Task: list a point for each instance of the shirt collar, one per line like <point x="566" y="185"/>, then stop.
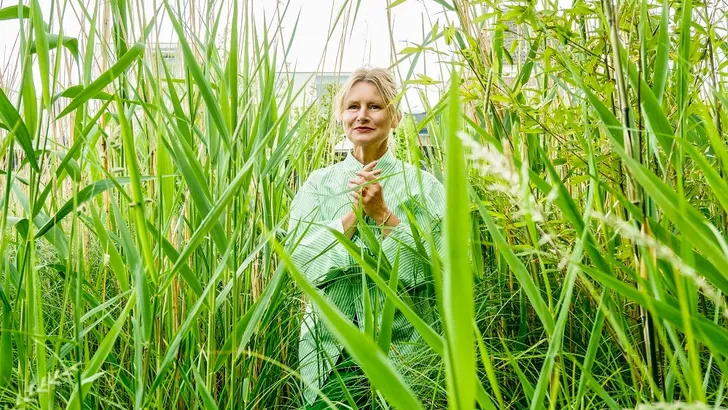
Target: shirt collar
<point x="386" y="163"/>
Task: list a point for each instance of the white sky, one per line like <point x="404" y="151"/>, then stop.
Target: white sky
<point x="368" y="44"/>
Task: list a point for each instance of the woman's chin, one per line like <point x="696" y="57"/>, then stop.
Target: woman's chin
<point x="366" y="141"/>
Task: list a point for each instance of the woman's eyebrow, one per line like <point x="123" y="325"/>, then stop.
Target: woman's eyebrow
<point x="378" y="102"/>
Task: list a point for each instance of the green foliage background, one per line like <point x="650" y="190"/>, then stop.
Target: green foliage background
<point x="583" y="150"/>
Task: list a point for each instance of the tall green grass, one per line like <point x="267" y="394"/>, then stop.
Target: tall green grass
<point x="583" y="150"/>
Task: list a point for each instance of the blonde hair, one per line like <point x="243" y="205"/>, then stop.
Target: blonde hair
<point x="381" y="78"/>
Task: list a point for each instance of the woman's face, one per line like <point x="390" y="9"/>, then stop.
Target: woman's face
<point x="366" y="119"/>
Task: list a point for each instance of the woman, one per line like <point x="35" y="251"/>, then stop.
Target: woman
<point x="369" y="182"/>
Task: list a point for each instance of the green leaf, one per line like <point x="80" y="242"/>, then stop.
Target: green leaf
<point x="488" y="366"/>
<point x="10" y="116"/>
<point x="12" y="12"/>
<point x="707" y="332"/>
<point x="663" y="53"/>
<point x="385" y="334"/>
<point x="6" y="348"/>
<point x="71" y="43"/>
<point x="68" y="163"/>
<point x="30" y="100"/>
<point x="115" y="259"/>
<point x="432" y="338"/>
<point x="190" y="319"/>
<point x="445" y="4"/>
<point x="74" y="90"/>
<point x="657" y="122"/>
<point x="144" y="310"/>
<point x="88" y="59"/>
<point x="41" y="45"/>
<point x="245" y="328"/>
<point x="55" y="236"/>
<point x="717" y="183"/>
<point x="232" y="71"/>
<point x="410" y="50"/>
<point x="544" y="377"/>
<point x="692" y="224"/>
<point x="202" y="390"/>
<point x="716" y="141"/>
<point x="84" y="195"/>
<point x="94" y="89"/>
<point x="211" y="101"/>
<point x="612" y="124"/>
<point x="211" y="219"/>
<point x="592" y="346"/>
<point x="457" y="288"/>
<point x="423" y="80"/>
<point x="524" y="278"/>
<point x="102" y="352"/>
<point x="522" y="378"/>
<point x="683" y="61"/>
<point x="138" y="211"/>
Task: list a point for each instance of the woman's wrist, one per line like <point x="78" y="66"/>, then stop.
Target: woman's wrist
<point x="386" y="218"/>
<point x="388" y="223"/>
<point x="382" y="217"/>
<point x="348" y="222"/>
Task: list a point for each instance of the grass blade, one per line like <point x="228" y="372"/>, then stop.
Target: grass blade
<point x="207" y="398"/>
<point x="94" y="90"/>
<point x="83" y="196"/>
<point x="517" y="267"/>
<point x="10" y="116"/>
<point x="54" y="41"/>
<point x="212" y="103"/>
<point x="41" y="45"/>
<point x="663" y="53"/>
<point x="457" y="288"/>
<point x="105" y="348"/>
<point x="13" y="12"/>
<point x="6" y="348"/>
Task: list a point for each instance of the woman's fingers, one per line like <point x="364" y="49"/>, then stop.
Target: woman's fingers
<point x="356" y="184"/>
<point x="354" y="196"/>
<point x="363" y="171"/>
<point x="368" y="167"/>
<point x="369" y="193"/>
<point x="369" y="176"/>
<point x="364" y="186"/>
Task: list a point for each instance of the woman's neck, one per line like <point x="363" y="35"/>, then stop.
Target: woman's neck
<point x="368" y="154"/>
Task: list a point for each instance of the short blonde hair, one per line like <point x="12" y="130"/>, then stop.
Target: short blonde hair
<point x="381" y="78"/>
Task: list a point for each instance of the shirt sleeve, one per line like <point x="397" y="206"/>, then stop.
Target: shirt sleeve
<point x="428" y="211"/>
<point x="314" y="248"/>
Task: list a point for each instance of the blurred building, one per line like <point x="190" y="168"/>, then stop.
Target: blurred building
<point x="313" y="84"/>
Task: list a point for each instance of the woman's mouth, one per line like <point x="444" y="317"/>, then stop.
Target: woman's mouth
<point x="363" y="129"/>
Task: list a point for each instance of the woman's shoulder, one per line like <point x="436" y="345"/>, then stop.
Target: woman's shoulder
<point x="320" y="177"/>
<point x="413" y="172"/>
<point x="323" y="172"/>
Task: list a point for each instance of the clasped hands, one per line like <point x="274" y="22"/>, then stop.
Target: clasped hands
<point x="367" y="194"/>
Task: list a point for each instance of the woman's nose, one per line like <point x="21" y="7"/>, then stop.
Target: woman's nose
<point x="361" y="115"/>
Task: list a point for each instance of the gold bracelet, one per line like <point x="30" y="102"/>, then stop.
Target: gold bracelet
<point x="386" y="219"/>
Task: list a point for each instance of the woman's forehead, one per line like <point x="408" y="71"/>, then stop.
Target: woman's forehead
<point x="364" y="90"/>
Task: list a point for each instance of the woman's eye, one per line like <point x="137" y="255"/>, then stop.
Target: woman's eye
<point x="353" y="107"/>
<point x="376" y="107"/>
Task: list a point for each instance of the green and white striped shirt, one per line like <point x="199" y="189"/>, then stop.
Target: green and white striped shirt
<point x="318" y="207"/>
